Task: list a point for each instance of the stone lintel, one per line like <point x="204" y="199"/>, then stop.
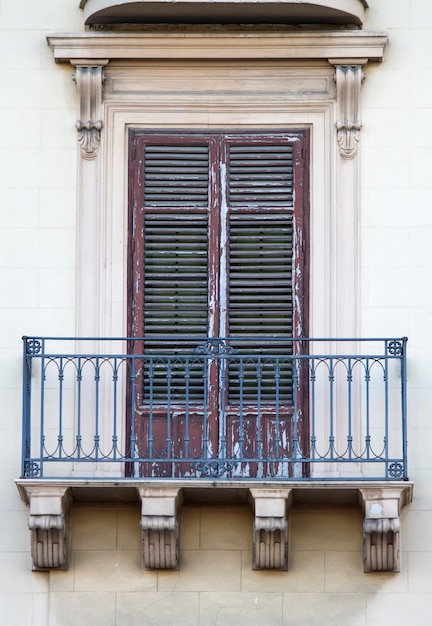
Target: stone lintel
<point x="270" y="529"/>
<point x="355" y="45"/>
<point x="381" y="526"/>
<point x="160" y="528"/>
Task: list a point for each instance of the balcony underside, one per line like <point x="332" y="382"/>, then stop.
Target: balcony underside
<point x="292" y="12"/>
<point x="213" y="492"/>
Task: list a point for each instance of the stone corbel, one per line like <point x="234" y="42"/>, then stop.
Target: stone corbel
<point x="89" y="79"/>
<point x="49" y="527"/>
<point x="270" y="529"/>
<point x="348" y="80"/>
<point x="160" y="528"/>
<point x="381" y="527"/>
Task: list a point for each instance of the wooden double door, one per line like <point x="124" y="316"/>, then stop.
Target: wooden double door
<point x="217" y="294"/>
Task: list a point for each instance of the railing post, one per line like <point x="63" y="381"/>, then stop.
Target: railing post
<point x="404" y="407"/>
<point x="30" y="469"/>
<point x="26" y="403"/>
<point x="296" y="452"/>
<point x="133" y="438"/>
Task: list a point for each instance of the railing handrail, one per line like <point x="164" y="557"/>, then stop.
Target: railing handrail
<point x="388" y="342"/>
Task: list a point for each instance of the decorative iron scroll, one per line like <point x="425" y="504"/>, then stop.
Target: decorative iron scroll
<point x="214" y="469"/>
<point x="396" y="470"/>
<point x="216" y="347"/>
<point x="31" y="469"/>
<point x="395" y="348"/>
<point x="33" y="346"/>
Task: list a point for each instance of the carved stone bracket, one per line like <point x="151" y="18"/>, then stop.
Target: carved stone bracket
<point x="160" y="530"/>
<point x="381" y="528"/>
<point x="270" y="530"/>
<point x="49" y="527"/>
<point x="348" y="80"/>
<point x="89" y="80"/>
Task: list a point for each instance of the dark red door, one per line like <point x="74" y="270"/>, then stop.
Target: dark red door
<point x="217" y="284"/>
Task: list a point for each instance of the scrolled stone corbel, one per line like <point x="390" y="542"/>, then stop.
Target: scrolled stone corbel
<point x="160" y="528"/>
<point x="49" y="528"/>
<point x="381" y="552"/>
<point x="270" y="543"/>
<point x="348" y="80"/>
<point x="381" y="527"/>
<point x="89" y="80"/>
<point x="270" y="529"/>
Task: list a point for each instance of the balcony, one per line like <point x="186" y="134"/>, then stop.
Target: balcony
<point x="223" y="408"/>
<point x="272" y="420"/>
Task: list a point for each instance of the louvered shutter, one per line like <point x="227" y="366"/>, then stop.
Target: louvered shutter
<point x="260" y="177"/>
<point x="260" y="293"/>
<point x="176" y="178"/>
<point x="260" y="277"/>
<point x="175" y="276"/>
<point x="175" y="261"/>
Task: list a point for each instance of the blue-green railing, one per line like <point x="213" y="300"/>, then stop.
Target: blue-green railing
<point x="261" y="408"/>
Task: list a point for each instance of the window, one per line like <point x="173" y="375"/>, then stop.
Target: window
<point x="218" y="276"/>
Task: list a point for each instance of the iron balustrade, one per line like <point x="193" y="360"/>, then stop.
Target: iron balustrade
<point x="251" y="407"/>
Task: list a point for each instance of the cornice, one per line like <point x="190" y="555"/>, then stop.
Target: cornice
<point x="341" y="12"/>
<point x="354" y="47"/>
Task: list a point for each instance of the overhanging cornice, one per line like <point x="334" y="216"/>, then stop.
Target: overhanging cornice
<point x="338" y="46"/>
<point x="336" y="12"/>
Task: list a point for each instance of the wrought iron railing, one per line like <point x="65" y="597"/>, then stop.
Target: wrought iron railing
<point x="267" y="409"/>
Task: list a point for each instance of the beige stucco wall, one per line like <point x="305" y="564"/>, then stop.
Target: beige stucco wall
<point x="215" y="584"/>
<point x="106" y="584"/>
